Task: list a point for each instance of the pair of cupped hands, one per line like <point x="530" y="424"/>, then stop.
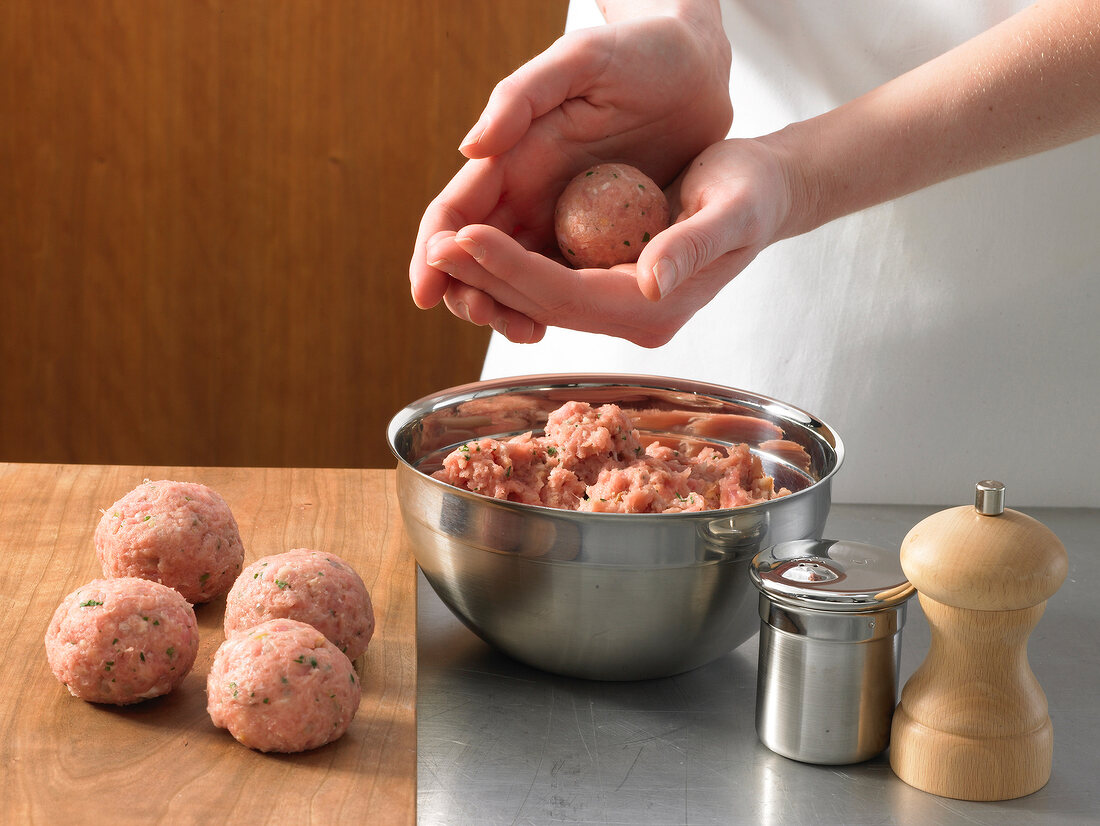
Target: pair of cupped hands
<point x="652" y="93"/>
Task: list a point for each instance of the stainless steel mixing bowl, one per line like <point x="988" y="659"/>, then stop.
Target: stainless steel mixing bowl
<point x="603" y="595"/>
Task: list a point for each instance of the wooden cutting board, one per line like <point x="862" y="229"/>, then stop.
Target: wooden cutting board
<point x="163" y="761"/>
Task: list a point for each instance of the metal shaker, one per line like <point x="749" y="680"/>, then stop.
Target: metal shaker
<point x="830" y="641"/>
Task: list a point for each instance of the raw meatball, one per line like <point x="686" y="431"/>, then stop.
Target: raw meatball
<point x="607" y="214"/>
<point x="122" y="640"/>
<point x="181" y="534"/>
<point x="311" y="586"/>
<point x="282" y="686"/>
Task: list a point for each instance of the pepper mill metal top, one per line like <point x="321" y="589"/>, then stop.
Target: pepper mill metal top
<point x="989" y="498"/>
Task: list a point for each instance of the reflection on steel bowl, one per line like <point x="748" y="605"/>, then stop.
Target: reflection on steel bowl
<point x="606" y="595"/>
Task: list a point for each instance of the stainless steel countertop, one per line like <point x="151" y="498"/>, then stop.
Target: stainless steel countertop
<point x="501" y="743"/>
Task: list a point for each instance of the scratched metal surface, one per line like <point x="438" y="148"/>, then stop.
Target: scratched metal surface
<point x="500" y="743"/>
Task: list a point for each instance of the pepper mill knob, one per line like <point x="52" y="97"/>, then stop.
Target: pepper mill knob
<point x="972" y="723"/>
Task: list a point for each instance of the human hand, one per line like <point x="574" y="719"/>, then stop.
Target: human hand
<point x="651" y="92"/>
<point x="731" y="202"/>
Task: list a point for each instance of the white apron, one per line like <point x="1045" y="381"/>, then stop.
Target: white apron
<point x="949" y="336"/>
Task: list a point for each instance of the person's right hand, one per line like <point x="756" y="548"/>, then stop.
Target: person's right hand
<point x="651" y="92"/>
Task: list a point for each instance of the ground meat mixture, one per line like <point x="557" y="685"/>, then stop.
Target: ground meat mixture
<point x="593" y="459"/>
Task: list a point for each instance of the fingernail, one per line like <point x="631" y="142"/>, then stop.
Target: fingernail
<point x="441" y="264"/>
<point x="664" y="271"/>
<point x="462" y="311"/>
<point x="472" y="247"/>
<point x="473" y="136"/>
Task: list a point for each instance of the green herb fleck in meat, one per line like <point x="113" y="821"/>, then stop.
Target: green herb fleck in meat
<point x="91" y="603"/>
<point x="171" y="651"/>
<point x="645" y="237"/>
<point x="282" y="585"/>
<point x="204" y="577"/>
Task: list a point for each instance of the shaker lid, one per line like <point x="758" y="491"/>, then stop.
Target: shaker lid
<point x="831" y="575"/>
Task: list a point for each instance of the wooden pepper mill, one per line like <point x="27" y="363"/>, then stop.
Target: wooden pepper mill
<point x="972" y="723"/>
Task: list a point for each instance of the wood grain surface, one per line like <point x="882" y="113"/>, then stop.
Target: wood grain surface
<point x="163" y="761"/>
<point x="207" y="211"/>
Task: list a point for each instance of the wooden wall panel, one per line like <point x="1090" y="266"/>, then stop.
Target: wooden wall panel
<point x="206" y="214"/>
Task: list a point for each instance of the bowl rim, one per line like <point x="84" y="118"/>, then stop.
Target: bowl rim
<point x="489" y="387"/>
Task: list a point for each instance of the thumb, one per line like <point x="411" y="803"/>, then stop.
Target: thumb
<point x="505" y="119"/>
<point x="532" y="90"/>
<point x="564" y="71"/>
<point x="685" y="248"/>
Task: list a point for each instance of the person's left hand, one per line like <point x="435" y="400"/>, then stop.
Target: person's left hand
<point x="731" y="202"/>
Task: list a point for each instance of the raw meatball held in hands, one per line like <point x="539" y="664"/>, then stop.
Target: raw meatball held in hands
<point x="730" y="204"/>
<point x="649" y="89"/>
